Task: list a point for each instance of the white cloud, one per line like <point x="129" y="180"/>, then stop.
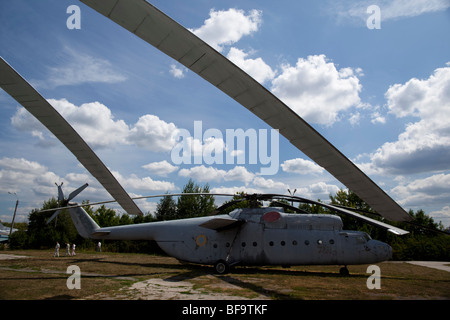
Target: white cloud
<point x="16" y="174"/>
<point x="270" y="184"/>
<point x="301" y="166"/>
<point x="316" y="90"/>
<point x="161" y="168"/>
<point x="354" y="118"/>
<point x="322" y="190"/>
<point x="411" y="8"/>
<point x="390" y="10"/>
<point x="95" y="123"/>
<point x="133" y="182"/>
<point x="177" y="72"/>
<point x="24" y="121"/>
<point x="424" y="146"/>
<point x="377" y="118"/>
<point x="239" y="173"/>
<point x="34" y="184"/>
<point x="228" y="27"/>
<point x="152" y="133"/>
<point x="256" y="68"/>
<point x="143" y="184"/>
<point x="235" y="190"/>
<point x="430" y="190"/>
<point x="202" y="173"/>
<point x="78" y="68"/>
<point x="442" y="215"/>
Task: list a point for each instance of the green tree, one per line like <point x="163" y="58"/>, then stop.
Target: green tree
<point x="40" y="234"/>
<point x="105" y="217"/>
<point x="313" y="208"/>
<point x="125" y="219"/>
<point x="351" y="200"/>
<point x="190" y="206"/>
<point x="423" y="224"/>
<point x="166" y="209"/>
<point x="240" y="204"/>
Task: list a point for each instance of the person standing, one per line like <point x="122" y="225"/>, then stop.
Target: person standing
<point x="56" y="254"/>
<point x="73" y="250"/>
<point x="99" y="247"/>
<point x="67" y="250"/>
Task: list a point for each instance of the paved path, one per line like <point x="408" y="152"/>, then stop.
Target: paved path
<point x="433" y="264"/>
<point x="4" y="256"/>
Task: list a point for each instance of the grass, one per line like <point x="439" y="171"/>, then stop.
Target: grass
<point x="41" y="276"/>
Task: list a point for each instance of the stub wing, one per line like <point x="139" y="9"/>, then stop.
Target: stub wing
<point x="220" y="224"/>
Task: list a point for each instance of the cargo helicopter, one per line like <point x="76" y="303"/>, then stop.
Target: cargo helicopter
<point x="229" y="239"/>
<point x="253" y="236"/>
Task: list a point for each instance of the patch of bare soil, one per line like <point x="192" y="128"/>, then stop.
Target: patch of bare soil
<point x="167" y="289"/>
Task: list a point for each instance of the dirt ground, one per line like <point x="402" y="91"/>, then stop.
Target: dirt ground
<point x="37" y="275"/>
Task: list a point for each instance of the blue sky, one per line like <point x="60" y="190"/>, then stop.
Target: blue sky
<point x="381" y="96"/>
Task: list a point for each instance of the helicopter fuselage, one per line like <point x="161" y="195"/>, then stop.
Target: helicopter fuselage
<point x="255" y="236"/>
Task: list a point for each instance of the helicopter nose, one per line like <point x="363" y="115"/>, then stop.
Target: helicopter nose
<point x="383" y="250"/>
<point x="388" y="251"/>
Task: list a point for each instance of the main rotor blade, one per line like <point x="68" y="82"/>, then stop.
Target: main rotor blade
<point x="144" y="197"/>
<point x="156" y="28"/>
<point x="352" y="214"/>
<point x="30" y="99"/>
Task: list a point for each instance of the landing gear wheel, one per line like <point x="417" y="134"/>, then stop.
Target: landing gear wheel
<point x="344" y="271"/>
<point x="221" y="267"/>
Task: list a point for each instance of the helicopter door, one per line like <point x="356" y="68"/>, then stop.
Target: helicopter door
<point x="247" y="247"/>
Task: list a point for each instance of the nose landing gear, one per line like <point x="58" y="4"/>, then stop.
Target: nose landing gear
<point x="344" y="271"/>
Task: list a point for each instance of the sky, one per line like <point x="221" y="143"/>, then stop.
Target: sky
<point x="372" y="77"/>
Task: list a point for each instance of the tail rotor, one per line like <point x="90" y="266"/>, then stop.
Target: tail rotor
<point x="62" y="202"/>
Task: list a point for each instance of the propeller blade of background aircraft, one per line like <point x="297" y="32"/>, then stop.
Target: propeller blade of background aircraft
<point x="60" y="193"/>
<point x="30" y="99"/>
<point x="53" y="215"/>
<point x="73" y="194"/>
<point x="156" y="28"/>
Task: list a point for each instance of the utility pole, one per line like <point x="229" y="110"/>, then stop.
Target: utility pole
<point x="14" y="216"/>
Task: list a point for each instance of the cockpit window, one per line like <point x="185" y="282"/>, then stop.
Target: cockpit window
<point x="360" y="239"/>
<point x="235" y="213"/>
